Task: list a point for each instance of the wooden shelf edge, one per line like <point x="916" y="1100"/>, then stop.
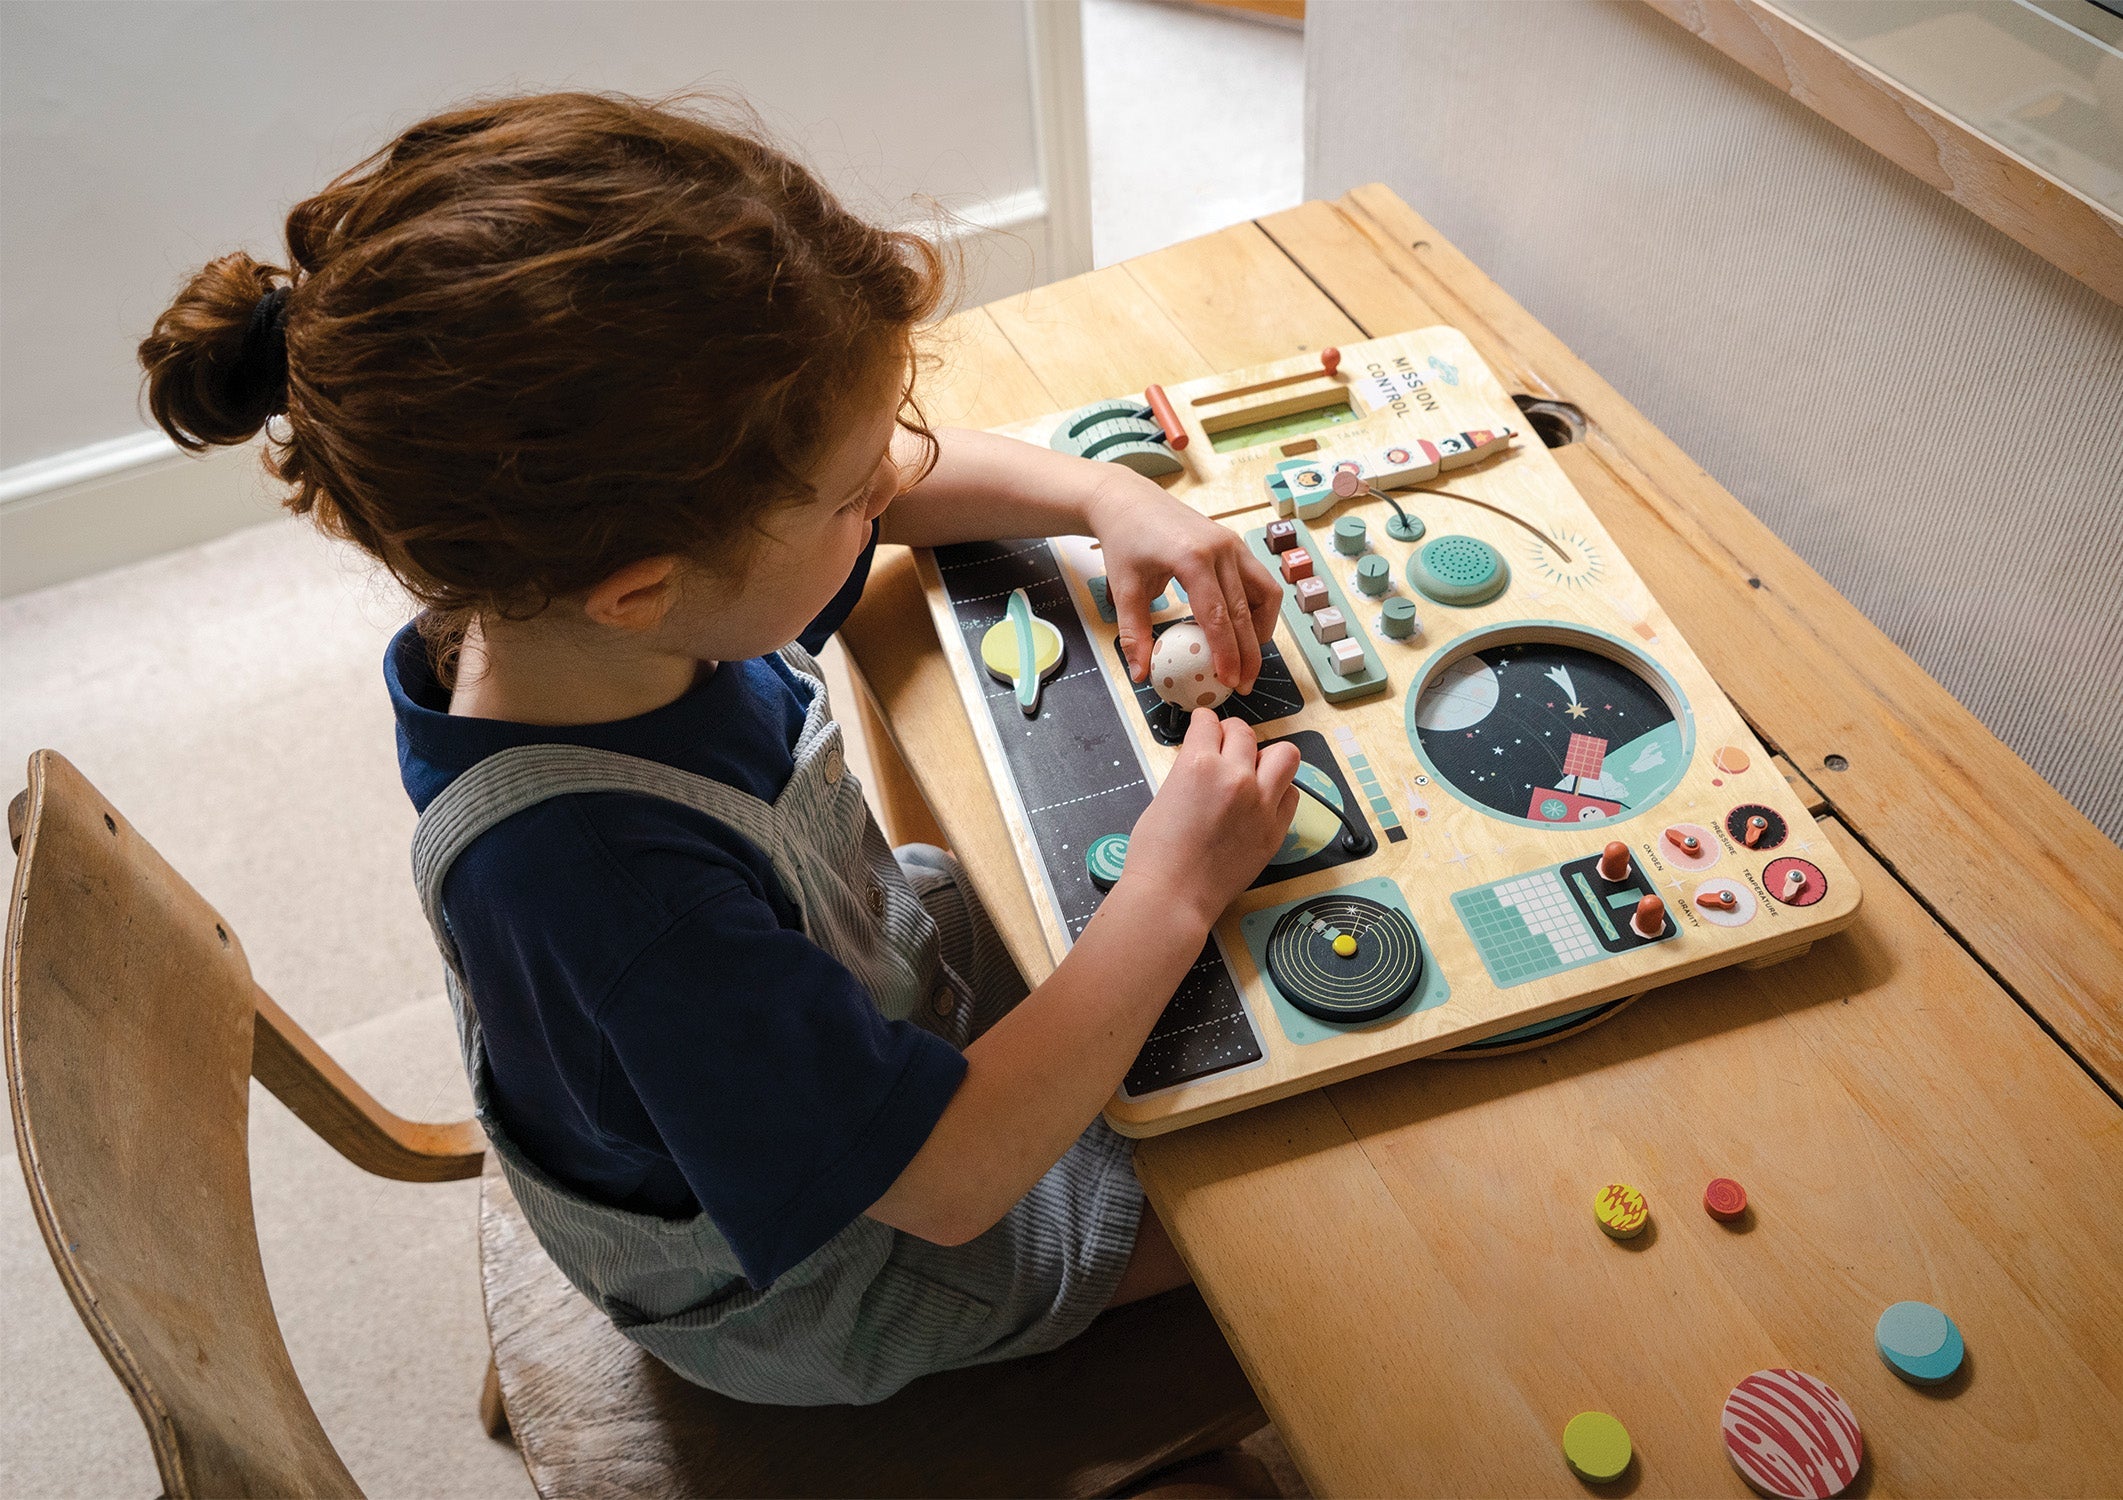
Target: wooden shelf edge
<point x="2018" y="199"/>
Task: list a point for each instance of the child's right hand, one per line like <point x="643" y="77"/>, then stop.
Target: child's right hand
<point x="1222" y="811"/>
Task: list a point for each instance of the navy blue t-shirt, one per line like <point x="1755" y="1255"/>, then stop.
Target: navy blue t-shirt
<point x="660" y="1034"/>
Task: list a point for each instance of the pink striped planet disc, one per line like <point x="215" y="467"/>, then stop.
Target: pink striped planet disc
<point x="1792" y="1436"/>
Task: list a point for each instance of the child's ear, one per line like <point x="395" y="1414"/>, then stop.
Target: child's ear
<point x="637" y="597"/>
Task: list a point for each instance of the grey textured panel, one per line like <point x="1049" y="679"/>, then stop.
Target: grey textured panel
<point x="1929" y="414"/>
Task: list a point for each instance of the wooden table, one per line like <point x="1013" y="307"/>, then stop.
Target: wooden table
<point x="1924" y="1107"/>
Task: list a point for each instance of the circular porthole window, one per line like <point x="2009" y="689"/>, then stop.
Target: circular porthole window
<point x="1552" y="726"/>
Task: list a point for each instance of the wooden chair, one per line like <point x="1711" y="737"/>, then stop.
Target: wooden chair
<point x="132" y="1029"/>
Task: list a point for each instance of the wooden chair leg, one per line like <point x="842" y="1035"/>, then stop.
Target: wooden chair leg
<point x="492" y="1416"/>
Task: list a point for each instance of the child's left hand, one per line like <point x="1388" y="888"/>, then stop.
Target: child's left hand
<point x="1150" y="538"/>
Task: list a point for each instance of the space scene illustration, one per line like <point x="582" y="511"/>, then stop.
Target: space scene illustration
<point x="1547" y="733"/>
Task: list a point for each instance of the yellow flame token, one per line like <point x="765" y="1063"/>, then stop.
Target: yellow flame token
<point x="1621" y="1210"/>
<point x="1596" y="1446"/>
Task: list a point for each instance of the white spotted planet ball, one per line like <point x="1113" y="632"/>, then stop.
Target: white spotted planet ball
<point x="1180" y="668"/>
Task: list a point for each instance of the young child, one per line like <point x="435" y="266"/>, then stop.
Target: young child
<point x="624" y="399"/>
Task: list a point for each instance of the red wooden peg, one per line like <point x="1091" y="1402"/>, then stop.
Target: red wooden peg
<point x="1167" y="418"/>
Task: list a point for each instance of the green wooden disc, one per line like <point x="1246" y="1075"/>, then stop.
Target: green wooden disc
<point x="1596" y="1446"/>
<point x="1105" y="858"/>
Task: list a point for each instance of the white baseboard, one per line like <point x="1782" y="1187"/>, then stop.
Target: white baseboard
<point x="137" y="496"/>
<point x="118" y="502"/>
<point x="1004" y="245"/>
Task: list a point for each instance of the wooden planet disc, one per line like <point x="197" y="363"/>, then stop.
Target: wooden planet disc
<point x="1621" y="1210"/>
<point x="1725" y="1200"/>
<point x="1596" y="1446"/>
<point x="1790" y="1435"/>
<point x="1105" y="859"/>
<point x="1022" y="650"/>
<point x="1919" y="1343"/>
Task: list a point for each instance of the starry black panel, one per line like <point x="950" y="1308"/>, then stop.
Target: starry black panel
<point x="1077" y="777"/>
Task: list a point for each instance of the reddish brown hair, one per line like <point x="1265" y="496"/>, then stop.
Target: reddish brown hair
<point x="533" y="340"/>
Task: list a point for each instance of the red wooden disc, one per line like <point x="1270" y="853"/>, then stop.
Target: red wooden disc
<point x="1790" y="1435"/>
<point x="1724" y="1200"/>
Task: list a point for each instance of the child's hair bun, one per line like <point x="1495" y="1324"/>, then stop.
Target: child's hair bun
<point x="217" y="358"/>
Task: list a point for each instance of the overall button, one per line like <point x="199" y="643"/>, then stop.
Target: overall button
<point x="835" y="766"/>
<point x="943" y="1002"/>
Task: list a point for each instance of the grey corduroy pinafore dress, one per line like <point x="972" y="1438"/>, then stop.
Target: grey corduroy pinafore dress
<point x="873" y="1308"/>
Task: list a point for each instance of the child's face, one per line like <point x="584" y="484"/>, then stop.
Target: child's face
<point x="808" y="549"/>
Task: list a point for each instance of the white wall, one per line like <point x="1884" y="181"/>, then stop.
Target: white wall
<point x="139" y="139"/>
<point x="1925" y="411"/>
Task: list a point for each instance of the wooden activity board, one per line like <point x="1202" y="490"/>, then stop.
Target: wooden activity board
<point x="1515" y="704"/>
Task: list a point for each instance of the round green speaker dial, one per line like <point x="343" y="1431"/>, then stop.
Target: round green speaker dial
<point x="1459" y="570"/>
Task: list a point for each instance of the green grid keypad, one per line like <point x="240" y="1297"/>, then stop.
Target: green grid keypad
<point x="1526" y="928"/>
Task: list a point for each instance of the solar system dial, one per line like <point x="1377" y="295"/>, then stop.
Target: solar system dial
<point x="1548" y="733"/>
<point x="1347" y="959"/>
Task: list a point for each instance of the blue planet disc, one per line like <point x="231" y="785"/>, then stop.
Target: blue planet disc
<point x="1104" y="860"/>
<point x="1919" y="1342"/>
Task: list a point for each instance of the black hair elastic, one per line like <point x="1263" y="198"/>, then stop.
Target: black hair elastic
<point x="260" y="376"/>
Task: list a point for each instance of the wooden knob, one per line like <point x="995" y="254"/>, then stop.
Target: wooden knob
<point x="1794" y="882"/>
<point x="1614" y="862"/>
<point x="1756" y="827"/>
<point x="1330" y="359"/>
<point x="1650" y="918"/>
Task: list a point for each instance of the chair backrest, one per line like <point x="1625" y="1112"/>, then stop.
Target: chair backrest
<point x="129" y="1011"/>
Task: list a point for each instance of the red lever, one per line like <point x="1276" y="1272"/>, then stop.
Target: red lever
<point x="1330" y="359"/>
<point x="1167" y="418"/>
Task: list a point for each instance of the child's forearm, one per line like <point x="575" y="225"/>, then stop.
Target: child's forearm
<point x="985" y="486"/>
<point x="1043" y="1072"/>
